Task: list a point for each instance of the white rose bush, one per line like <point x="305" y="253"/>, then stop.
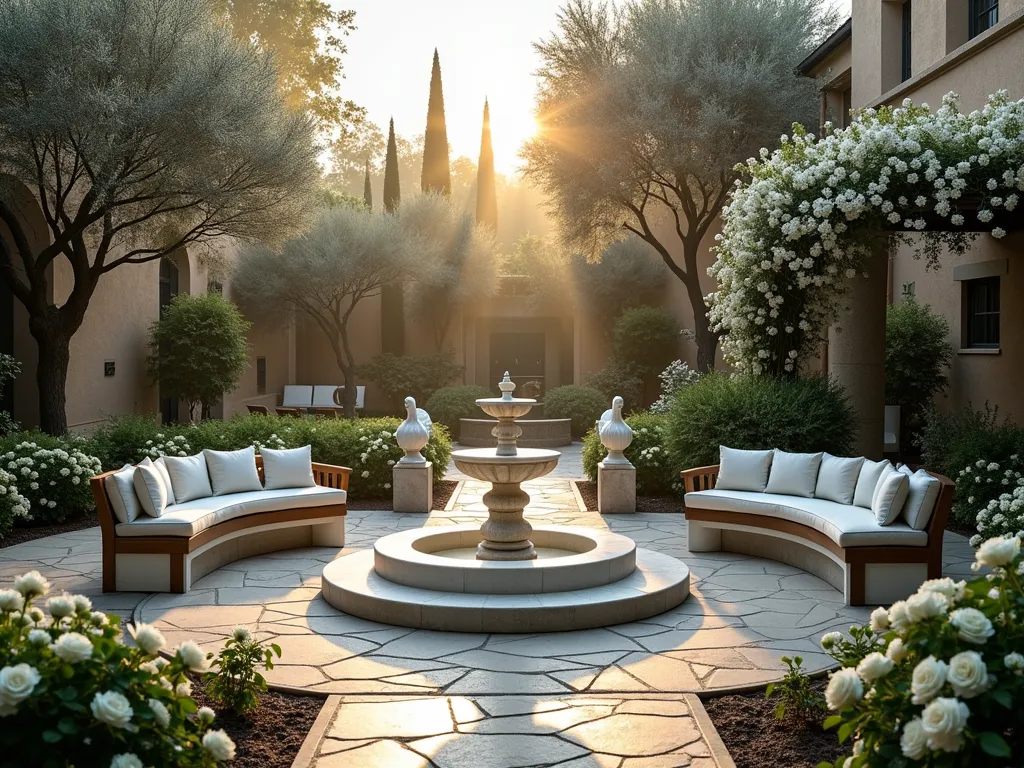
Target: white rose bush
<point x="1000" y="491"/>
<point x="937" y="680"/>
<point x="71" y="693"/>
<point x="802" y="223"/>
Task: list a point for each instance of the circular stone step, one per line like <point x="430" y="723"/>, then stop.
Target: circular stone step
<point x="658" y="584"/>
<point x="593" y="557"/>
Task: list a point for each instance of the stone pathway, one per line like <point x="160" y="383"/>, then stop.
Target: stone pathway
<point x="477" y="700"/>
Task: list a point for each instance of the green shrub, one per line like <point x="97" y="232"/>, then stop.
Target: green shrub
<point x="622" y="380"/>
<point x="954" y="440"/>
<point x="399" y="377"/>
<point x="233" y="680"/>
<point x="917" y="354"/>
<point x="449" y="404"/>
<point x="198" y="349"/>
<point x="646" y="337"/>
<point x="655" y="474"/>
<point x="584" y="405"/>
<point x="9" y="368"/>
<point x="333" y="441"/>
<point x="757" y="412"/>
<point x="51" y="472"/>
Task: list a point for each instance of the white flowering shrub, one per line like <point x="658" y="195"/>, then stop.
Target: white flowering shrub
<point x="937" y="679"/>
<point x="979" y="483"/>
<point x="13" y="506"/>
<point x="656" y="475"/>
<point x="809" y="213"/>
<point x="163" y="445"/>
<point x="676" y="376"/>
<point x="71" y="693"/>
<point x="1003" y="515"/>
<point x="55" y="480"/>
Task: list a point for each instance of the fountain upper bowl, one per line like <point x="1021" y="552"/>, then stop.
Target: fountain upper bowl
<point x="485" y="464"/>
<point x="511" y="408"/>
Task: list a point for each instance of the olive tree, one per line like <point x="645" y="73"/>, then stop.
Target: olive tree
<point x="644" y="111"/>
<point x="198" y="350"/>
<point x="321" y="276"/>
<point x="138" y="127"/>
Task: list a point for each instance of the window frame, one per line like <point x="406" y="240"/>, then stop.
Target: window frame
<point x="261" y="375"/>
<point x="984" y="14"/>
<point x="973" y="315"/>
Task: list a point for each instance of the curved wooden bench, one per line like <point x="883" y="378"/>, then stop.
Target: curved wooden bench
<point x="720" y="530"/>
<point x="172" y="563"/>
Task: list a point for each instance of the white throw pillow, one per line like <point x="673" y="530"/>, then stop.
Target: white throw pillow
<point x="149" y="485"/>
<point x="837" y="478"/>
<point x="121" y="492"/>
<point x="233" y="471"/>
<point x="291" y="468"/>
<point x="921" y="498"/>
<point x="740" y="470"/>
<point x="794" y="474"/>
<point x="189" y="477"/>
<point x="890" y="496"/>
<point x="867" y="480"/>
<point x="165" y="476"/>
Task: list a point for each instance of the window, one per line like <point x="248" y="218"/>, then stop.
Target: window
<point x="984" y="15"/>
<point x="261" y="375"/>
<point x="981" y="300"/>
<point x="905" y="30"/>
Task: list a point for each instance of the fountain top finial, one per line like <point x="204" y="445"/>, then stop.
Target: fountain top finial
<point x="507" y="386"/>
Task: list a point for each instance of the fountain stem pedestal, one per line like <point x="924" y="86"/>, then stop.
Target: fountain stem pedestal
<point x="506" y="532"/>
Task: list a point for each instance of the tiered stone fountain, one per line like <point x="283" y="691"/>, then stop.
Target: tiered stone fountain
<point x="505" y="575"/>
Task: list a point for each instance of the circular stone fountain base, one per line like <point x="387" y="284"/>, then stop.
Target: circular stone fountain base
<point x="654" y="585"/>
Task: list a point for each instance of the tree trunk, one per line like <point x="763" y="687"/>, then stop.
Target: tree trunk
<point x="54" y="343"/>
<point x="348" y="395"/>
<point x="707" y="340"/>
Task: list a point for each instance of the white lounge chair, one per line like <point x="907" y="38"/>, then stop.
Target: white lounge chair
<point x="297" y="396"/>
<point x="324" y="396"/>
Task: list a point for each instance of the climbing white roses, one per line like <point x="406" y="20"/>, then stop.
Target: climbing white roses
<point x="938" y="679"/>
<point x="806" y="216"/>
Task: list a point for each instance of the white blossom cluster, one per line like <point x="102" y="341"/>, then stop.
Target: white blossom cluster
<point x="378" y="454"/>
<point x="993" y="493"/>
<point x="937" y="664"/>
<point x="273" y="442"/>
<point x="802" y="225"/>
<point x="166" y="446"/>
<point x="12" y="504"/>
<point x="1003" y="516"/>
<point x="676" y="376"/>
<point x="48" y="477"/>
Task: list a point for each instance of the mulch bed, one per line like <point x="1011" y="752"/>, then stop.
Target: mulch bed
<point x="588" y="492"/>
<point x="271" y="735"/>
<point x="756" y="738"/>
<point x="443" y="491"/>
<point x="20" y="535"/>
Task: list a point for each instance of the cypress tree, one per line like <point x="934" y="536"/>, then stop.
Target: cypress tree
<point x="486" y="195"/>
<point x="392" y="188"/>
<point x="367" y="190"/>
<point x="436" y="175"/>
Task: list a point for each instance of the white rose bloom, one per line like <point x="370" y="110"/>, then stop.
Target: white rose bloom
<point x="10" y="600"/>
<point x="82" y="603"/>
<point x="32" y="584"/>
<point x="898" y="616"/>
<point x="60" y="606"/>
<point x="879" y="620"/>
<point x="943" y="722"/>
<point x="241" y="634"/>
<point x="219" y="745"/>
<point x="17" y="683"/>
<point x="896" y="651"/>
<point x="1014" y="661"/>
<point x="914" y="741"/>
<point x="192" y="655"/>
<point x="874" y="666"/>
<point x="996" y="552"/>
<point x="112" y="708"/>
<point x="39" y="637"/>
<point x="98" y="618"/>
<point x="126" y="760"/>
<point x="148" y="638"/>
<point x="73" y="647"/>
<point x="160" y="713"/>
<point x="206" y="715"/>
<point x="183" y="689"/>
<point x="845" y="689"/>
<point x="927" y="680"/>
<point x="954" y="590"/>
<point x="926" y="605"/>
<point x="829" y="639"/>
<point x="972" y="625"/>
<point x="968" y="674"/>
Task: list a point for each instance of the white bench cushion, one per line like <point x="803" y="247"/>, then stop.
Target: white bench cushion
<point x="195" y="516"/>
<point x="846" y="525"/>
<point x="743" y="470"/>
<point x="793" y="474"/>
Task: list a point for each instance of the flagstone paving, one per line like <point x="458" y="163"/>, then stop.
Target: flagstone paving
<point x="417" y="697"/>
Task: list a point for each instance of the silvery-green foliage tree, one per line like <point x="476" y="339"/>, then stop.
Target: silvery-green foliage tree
<point x="456" y="265"/>
<point x="322" y="275"/>
<point x="136" y="127"/>
<point x="644" y="110"/>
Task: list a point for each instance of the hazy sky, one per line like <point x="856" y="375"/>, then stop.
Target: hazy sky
<point x="485" y="48"/>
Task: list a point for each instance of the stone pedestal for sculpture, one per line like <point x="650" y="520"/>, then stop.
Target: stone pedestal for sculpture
<point x="616" y="488"/>
<point x="413" y="487"/>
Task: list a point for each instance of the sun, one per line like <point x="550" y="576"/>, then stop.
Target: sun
<point x="508" y="136"/>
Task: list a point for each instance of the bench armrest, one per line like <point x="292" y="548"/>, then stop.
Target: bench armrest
<point x="699" y="478"/>
<point x="331" y="475"/>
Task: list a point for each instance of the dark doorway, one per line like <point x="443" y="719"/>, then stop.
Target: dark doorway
<point x="7" y="343"/>
<point x="168" y="290"/>
<point x="521" y="354"/>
